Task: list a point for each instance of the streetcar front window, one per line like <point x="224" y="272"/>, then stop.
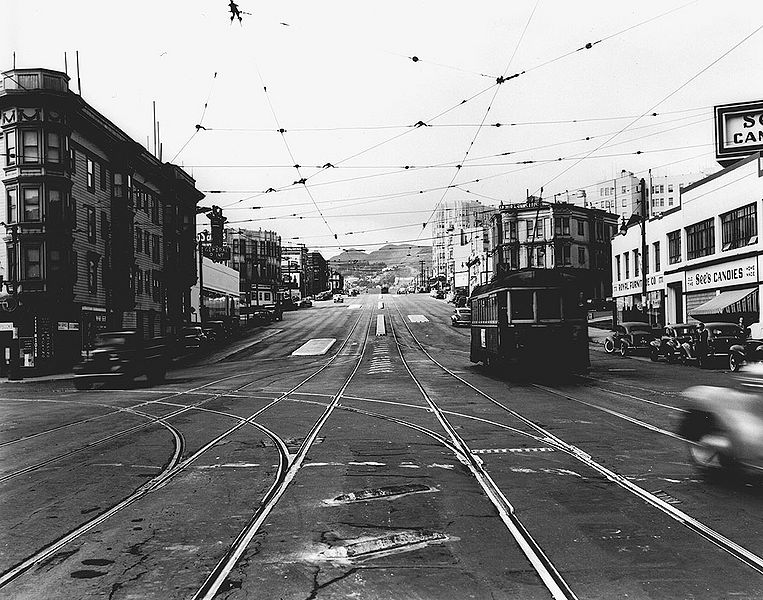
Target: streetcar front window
<point x="549" y="304"/>
<point x="521" y="302"/>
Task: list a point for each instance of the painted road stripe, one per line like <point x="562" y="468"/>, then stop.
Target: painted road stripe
<point x="354" y="306"/>
<point x="380" y="328"/>
<point x="417" y="319"/>
<point x="381" y="304"/>
<point x="314" y="347"/>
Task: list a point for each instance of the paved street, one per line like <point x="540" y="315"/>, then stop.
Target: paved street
<point x="388" y="467"/>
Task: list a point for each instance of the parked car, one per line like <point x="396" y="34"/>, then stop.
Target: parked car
<point x="338" y="299"/>
<point x="194" y="338"/>
<point x="460" y="301"/>
<point x="724" y="426"/>
<point x="721" y="337"/>
<point x="120" y="357"/>
<point x="630" y="337"/>
<point x="461" y="317"/>
<point x="305" y="303"/>
<point x="600" y="304"/>
<point x="219" y="330"/>
<point x="439" y="295"/>
<point x="672" y="344"/>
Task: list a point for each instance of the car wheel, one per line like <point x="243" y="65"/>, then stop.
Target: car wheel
<point x="712" y="451"/>
<point x="624" y="349"/>
<point x="654" y="354"/>
<point x="609" y="346"/>
<point x="735" y="362"/>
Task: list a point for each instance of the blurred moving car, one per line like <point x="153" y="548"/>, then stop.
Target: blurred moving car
<point x="672" y="344"/>
<point x="121" y="356"/>
<point x="461" y="317"/>
<point x="723" y="426"/>
<point x="630" y="337"/>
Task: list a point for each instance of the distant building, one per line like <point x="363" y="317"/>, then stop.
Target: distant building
<point x="336" y="281"/>
<point x="256" y="255"/>
<point x="549" y="235"/>
<point x="294" y="271"/>
<point x="99" y="233"/>
<point x="450" y="219"/>
<point x="473" y="259"/>
<point x="220" y="294"/>
<point x="317" y="274"/>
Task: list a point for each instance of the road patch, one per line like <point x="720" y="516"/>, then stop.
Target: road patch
<point x="314" y="347"/>
<point x="417" y="319"/>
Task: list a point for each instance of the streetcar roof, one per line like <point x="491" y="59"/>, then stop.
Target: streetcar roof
<point x="529" y="278"/>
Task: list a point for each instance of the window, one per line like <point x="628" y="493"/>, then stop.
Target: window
<point x="522" y="305"/>
<point x="670" y="188"/>
<point x="104" y="225"/>
<point x="53" y="147"/>
<point x="599" y="231"/>
<point x="562" y="226"/>
<point x="55" y="213"/>
<point x="32" y="263"/>
<point x="739" y="227"/>
<point x="581" y="257"/>
<point x="138" y="239"/>
<point x="104" y="176"/>
<point x="10" y="148"/>
<point x="13" y="205"/>
<point x="674" y="247"/>
<point x="31" y="198"/>
<point x="617" y="263"/>
<point x="74" y="266"/>
<point x="90" y="171"/>
<point x="155" y="210"/>
<point x="139" y="280"/>
<point x="581" y="227"/>
<point x="626" y="256"/>
<point x="657" y="266"/>
<point x="147" y="243"/>
<point x="549" y="304"/>
<point x="530" y="256"/>
<point x="636" y="262"/>
<point x="156" y="245"/>
<point x="513" y="230"/>
<point x="562" y="255"/>
<point x="541" y="256"/>
<point x="90" y="217"/>
<point x="30" y="146"/>
<point x="92" y="274"/>
<point x="700" y="239"/>
<point x="117" y="182"/>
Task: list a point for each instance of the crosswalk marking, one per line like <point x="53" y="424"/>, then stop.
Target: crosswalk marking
<point x="417" y="319"/>
<point x="314" y="347"/>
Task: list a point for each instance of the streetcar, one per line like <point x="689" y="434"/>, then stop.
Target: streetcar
<point x="532" y="320"/>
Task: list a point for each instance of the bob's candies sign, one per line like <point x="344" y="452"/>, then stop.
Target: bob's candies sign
<point x="738" y="131"/>
<point x="725" y="275"/>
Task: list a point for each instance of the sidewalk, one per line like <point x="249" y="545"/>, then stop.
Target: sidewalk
<point x="255" y="337"/>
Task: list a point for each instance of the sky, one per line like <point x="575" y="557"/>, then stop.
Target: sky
<point x="347" y="83"/>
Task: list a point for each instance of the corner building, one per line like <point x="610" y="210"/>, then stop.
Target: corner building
<point x="99" y="234"/>
<point x="703" y="259"/>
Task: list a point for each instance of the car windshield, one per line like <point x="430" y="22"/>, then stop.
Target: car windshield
<point x="685" y="330"/>
<point x="109" y="341"/>
<point x="640" y="329"/>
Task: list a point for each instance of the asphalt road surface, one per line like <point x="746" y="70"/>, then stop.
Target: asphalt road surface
<point x="376" y="462"/>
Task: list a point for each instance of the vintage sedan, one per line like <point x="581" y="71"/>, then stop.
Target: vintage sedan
<point x="672" y="344"/>
<point x="721" y="337"/>
<point x="749" y="351"/>
<point x="724" y="426"/>
<point x="461" y="317"/>
<point x="630" y="337"/>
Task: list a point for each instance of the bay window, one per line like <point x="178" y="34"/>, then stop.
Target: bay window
<point x="30" y="146"/>
<point x="31" y="200"/>
<point x="32" y="262"/>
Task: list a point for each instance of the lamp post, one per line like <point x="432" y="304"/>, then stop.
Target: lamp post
<point x="11" y="304"/>
<point x="203" y="238"/>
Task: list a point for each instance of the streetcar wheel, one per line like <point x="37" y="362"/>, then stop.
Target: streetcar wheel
<point x="734" y="362"/>
<point x="609" y="346"/>
<point x="623" y="349"/>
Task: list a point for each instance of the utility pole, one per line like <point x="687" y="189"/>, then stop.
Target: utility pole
<point x="642" y="223"/>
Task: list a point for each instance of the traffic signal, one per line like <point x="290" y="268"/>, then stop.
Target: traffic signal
<point x="217" y="222"/>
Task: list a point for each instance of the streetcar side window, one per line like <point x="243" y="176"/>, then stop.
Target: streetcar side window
<point x="549" y="304"/>
<point x="521" y="303"/>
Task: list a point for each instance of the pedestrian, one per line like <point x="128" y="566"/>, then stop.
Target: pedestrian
<point x="742" y="328"/>
<point x="701" y="343"/>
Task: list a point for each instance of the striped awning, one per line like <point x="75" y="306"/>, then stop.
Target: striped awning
<point x="727" y="302"/>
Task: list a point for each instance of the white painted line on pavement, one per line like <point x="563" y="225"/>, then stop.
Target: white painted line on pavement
<point x="417" y="319"/>
<point x="380" y="328"/>
<point x="354" y="306"/>
<point x="314" y="347"/>
<point x="381" y="304"/>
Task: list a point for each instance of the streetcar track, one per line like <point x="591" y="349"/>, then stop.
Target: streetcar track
<point x="170" y="471"/>
<point x="717" y="539"/>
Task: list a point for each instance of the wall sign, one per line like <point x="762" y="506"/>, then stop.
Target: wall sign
<point x="738" y="272"/>
<point x="633" y="286"/>
<point x="738" y="130"/>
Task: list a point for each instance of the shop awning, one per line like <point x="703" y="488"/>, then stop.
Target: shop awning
<point x="726" y="302"/>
